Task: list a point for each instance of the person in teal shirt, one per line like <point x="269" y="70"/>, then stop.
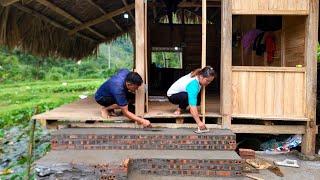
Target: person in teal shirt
<point x="185" y="92"/>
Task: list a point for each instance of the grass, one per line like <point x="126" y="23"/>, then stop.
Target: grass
<point x="20" y="101"/>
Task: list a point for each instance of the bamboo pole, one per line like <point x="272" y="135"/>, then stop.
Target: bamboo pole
<point x="30" y="149"/>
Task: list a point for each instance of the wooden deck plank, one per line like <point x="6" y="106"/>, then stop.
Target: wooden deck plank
<point x="79" y="111"/>
<point x="166" y="109"/>
<point x="88" y="110"/>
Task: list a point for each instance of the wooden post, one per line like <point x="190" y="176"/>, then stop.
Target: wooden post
<point x="30" y="149"/>
<point x="226" y="63"/>
<point x="146" y="54"/>
<point x="140" y="54"/>
<point x="308" y="141"/>
<point x="43" y="123"/>
<point x="203" y="56"/>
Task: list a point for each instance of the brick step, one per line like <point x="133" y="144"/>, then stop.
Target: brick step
<point x="117" y="164"/>
<point x="128" y="138"/>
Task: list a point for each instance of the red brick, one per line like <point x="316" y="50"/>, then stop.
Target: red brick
<point x="223" y="173"/>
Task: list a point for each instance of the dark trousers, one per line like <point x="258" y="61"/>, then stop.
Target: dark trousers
<point x="181" y="99"/>
<point x="108" y="101"/>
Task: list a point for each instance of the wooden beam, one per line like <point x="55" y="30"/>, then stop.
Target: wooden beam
<point x="65" y="14"/>
<point x="226" y="63"/>
<point x="268" y="129"/>
<point x="102" y="18"/>
<point x="50" y="21"/>
<point x="204" y="57"/>
<point x="186" y="4"/>
<point x="268" y="118"/>
<point x="7" y="2"/>
<point x="129" y="10"/>
<point x="140" y="54"/>
<point x="309" y="139"/>
<point x="237" y="128"/>
<point x="104" y="12"/>
<point x="133" y="125"/>
<point x="269" y="12"/>
<point x="267" y="69"/>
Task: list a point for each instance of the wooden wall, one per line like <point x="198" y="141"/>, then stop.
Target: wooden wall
<point x="264" y="92"/>
<point x="270" y="6"/>
<point x="294" y="28"/>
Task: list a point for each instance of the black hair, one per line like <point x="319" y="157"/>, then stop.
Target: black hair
<point x="205" y="72"/>
<point x="134" y="78"/>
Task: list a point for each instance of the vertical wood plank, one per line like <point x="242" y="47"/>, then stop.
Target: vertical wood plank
<point x="226" y="63"/>
<point x="298" y="105"/>
<point x="243" y="92"/>
<point x="203" y="56"/>
<point x="269" y="95"/>
<point x="260" y="93"/>
<point x="140" y="55"/>
<point x="278" y="94"/>
<point x="252" y="92"/>
<point x="288" y="93"/>
<point x="235" y="93"/>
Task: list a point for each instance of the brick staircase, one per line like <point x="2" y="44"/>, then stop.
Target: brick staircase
<point x="116" y="153"/>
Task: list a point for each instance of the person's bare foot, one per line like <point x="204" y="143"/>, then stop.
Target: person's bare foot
<point x="112" y="113"/>
<point x="177" y="112"/>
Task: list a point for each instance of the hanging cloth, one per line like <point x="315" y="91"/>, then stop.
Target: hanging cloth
<point x="270" y="46"/>
<point x="259" y="45"/>
<point x="249" y="38"/>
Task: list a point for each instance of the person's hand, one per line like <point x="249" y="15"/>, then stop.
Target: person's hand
<point x="202" y="126"/>
<point x="146" y="124"/>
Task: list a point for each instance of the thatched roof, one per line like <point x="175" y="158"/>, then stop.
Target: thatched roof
<point x="74" y="28"/>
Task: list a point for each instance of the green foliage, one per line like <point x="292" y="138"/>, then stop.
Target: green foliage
<point x="20" y="101"/>
<point x="30" y="85"/>
<point x="19" y="66"/>
<point x="21" y="96"/>
<point x="167" y="59"/>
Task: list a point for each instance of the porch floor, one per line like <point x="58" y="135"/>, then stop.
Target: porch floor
<point x="165" y="109"/>
<point x="88" y="110"/>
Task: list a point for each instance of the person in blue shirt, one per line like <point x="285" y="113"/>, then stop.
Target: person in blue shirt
<point x="185" y="92"/>
<point x="118" y="93"/>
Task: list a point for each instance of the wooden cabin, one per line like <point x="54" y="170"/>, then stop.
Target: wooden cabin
<point x="273" y="92"/>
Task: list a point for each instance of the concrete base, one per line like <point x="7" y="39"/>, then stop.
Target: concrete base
<point x="145" y="162"/>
